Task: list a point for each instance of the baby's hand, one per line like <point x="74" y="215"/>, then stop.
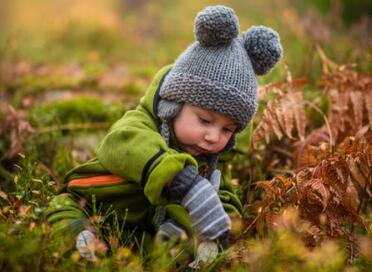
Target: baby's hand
<point x="207" y="253"/>
<point x="85" y="244"/>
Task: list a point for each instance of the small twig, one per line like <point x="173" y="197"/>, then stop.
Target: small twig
<point x="52" y="173"/>
<point x="312" y="105"/>
<point x="248" y="228"/>
<point x="280" y="171"/>
<point x="326" y="61"/>
<point x="309" y="60"/>
<point x="97" y="125"/>
<point x="282" y="151"/>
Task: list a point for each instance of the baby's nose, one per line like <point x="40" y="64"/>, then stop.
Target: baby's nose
<point x="212" y="135"/>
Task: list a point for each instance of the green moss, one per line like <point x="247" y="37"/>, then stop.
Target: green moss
<point x="81" y="109"/>
<point x="62" y="161"/>
<point x="94" y="69"/>
<point x="133" y="88"/>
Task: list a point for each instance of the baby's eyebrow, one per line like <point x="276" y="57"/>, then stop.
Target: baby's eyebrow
<point x="233" y="125"/>
<point x="209" y="113"/>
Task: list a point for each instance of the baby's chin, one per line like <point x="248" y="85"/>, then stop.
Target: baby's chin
<point x="192" y="151"/>
<point x="195" y="151"/>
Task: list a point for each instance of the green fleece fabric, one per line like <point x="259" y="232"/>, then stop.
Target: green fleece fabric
<point x="134" y="140"/>
<point x="135" y="150"/>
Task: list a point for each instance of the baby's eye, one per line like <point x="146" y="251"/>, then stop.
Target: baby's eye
<point x="204" y="120"/>
<point x="230" y="130"/>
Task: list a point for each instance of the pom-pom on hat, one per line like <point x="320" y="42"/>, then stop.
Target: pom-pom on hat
<point x="218" y="71"/>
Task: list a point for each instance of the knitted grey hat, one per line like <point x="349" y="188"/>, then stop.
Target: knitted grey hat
<point x="218" y="71"/>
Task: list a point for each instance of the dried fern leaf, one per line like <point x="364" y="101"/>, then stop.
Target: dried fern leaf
<point x="334" y="113"/>
<point x="270" y="191"/>
<point x="286" y="116"/>
<point x="297" y="100"/>
<point x="351" y="199"/>
<point x="315" y="193"/>
<point x="356" y="99"/>
<point x="358" y="176"/>
<point x="368" y="103"/>
<point x="274" y="121"/>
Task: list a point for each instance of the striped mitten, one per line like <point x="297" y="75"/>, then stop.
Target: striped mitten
<point x="201" y="200"/>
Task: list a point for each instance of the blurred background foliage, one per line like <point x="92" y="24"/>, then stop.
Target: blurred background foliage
<point x="69" y="69"/>
<point x="147" y="34"/>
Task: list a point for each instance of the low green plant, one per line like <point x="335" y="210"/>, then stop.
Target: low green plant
<point x="81" y="109"/>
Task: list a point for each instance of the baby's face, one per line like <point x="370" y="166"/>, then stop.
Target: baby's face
<point x="201" y="131"/>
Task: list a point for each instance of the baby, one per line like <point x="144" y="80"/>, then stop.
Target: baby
<point x="157" y="166"/>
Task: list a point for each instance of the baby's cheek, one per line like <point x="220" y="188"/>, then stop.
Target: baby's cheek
<point x="224" y="142"/>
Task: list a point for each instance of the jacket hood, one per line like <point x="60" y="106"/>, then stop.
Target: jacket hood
<point x="151" y="99"/>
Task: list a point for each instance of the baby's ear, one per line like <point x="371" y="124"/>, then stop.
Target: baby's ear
<point x="263" y="48"/>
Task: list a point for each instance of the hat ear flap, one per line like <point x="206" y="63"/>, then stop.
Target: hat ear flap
<point x="263" y="47"/>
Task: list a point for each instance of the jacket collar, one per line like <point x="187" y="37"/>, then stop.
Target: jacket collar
<point x="157" y="99"/>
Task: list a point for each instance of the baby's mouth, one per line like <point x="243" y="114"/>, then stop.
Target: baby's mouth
<point x="196" y="150"/>
<point x="202" y="150"/>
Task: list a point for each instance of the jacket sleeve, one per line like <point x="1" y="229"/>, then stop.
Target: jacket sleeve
<point x="135" y="150"/>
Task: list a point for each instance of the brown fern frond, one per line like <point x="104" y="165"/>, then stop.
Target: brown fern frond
<point x="284" y="114"/>
<point x="314" y="198"/>
<point x="263" y="91"/>
<point x="334" y="172"/>
<point x="336" y="112"/>
<point x="284" y="182"/>
<point x="312" y="235"/>
<point x="269" y="189"/>
<point x="313" y="149"/>
<point x="358" y="155"/>
<point x="311" y="155"/>
<point x="350" y="98"/>
<point x="360" y="177"/>
<point x="263" y="128"/>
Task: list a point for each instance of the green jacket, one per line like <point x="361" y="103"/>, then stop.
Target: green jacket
<point x="135" y="150"/>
